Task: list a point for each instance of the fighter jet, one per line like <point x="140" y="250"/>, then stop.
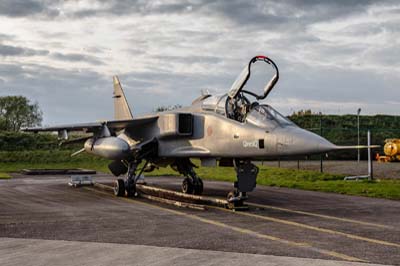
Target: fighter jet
<point x="230" y="130"/>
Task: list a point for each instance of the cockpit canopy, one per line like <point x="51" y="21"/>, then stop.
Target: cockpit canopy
<point x="216" y="103"/>
<point x="240" y="82"/>
<point x="260" y="115"/>
<point x="236" y="106"/>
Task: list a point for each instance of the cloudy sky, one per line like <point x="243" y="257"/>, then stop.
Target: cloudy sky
<point x="334" y="56"/>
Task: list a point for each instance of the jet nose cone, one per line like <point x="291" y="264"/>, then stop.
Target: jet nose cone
<point x="325" y="145"/>
<point x="312" y="143"/>
<point x="297" y="141"/>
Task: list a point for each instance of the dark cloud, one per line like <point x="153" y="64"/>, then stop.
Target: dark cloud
<point x="8" y="50"/>
<point x="126" y="7"/>
<point x="249" y="13"/>
<point x="283" y="15"/>
<point x="286" y="16"/>
<point x="23" y="8"/>
<point x="75" y="57"/>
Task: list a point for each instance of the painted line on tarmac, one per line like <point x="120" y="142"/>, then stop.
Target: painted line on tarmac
<point x="320" y="215"/>
<point x="239" y="229"/>
<point x="310" y="227"/>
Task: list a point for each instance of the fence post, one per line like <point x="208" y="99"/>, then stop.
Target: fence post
<point x="370" y="170"/>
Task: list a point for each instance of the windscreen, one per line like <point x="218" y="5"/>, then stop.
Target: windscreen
<point x="267" y="117"/>
<point x="278" y="116"/>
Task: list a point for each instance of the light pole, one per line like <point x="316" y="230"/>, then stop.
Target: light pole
<point x="320" y="133"/>
<point x="358" y="134"/>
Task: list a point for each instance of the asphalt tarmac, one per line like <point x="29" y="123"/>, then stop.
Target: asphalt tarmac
<point x="282" y="227"/>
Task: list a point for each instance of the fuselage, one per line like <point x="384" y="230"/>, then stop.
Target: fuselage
<point x="263" y="134"/>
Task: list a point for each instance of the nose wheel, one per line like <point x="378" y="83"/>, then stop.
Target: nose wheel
<point x="235" y="199"/>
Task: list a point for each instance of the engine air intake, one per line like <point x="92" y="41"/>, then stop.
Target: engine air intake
<point x="185" y="124"/>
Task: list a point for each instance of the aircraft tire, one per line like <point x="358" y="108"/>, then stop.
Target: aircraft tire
<point x="119" y="188"/>
<point x="234" y="204"/>
<point x="187" y="186"/>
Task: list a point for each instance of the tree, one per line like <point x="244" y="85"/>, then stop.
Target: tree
<point x="303" y="112"/>
<point x="17" y="112"/>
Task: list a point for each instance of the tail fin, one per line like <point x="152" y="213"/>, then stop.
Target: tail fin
<point x="121" y="107"/>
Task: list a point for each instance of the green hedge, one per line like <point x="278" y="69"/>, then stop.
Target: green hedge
<point x="342" y="130"/>
<point x="20" y="141"/>
<point x="46" y="156"/>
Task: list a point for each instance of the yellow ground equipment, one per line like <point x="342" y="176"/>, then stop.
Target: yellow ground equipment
<point x="392" y="151"/>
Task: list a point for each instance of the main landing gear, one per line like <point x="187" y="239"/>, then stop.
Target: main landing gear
<point x="192" y="184"/>
<point x="128" y="185"/>
<point x="246" y="173"/>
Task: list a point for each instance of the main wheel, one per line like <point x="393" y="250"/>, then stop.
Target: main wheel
<point x="187" y="186"/>
<point x="233" y="204"/>
<point x="119" y="188"/>
<point x="198" y="187"/>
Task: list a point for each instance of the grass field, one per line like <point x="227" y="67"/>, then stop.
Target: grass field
<point x="270" y="176"/>
<point x="4" y="176"/>
<point x="302" y="179"/>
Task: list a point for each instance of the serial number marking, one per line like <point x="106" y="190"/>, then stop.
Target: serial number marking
<point x="250" y="144"/>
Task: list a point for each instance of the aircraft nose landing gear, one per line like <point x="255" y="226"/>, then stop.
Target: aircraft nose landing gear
<point x="246" y="182"/>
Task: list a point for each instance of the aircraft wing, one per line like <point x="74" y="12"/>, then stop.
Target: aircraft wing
<point x="95" y="126"/>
